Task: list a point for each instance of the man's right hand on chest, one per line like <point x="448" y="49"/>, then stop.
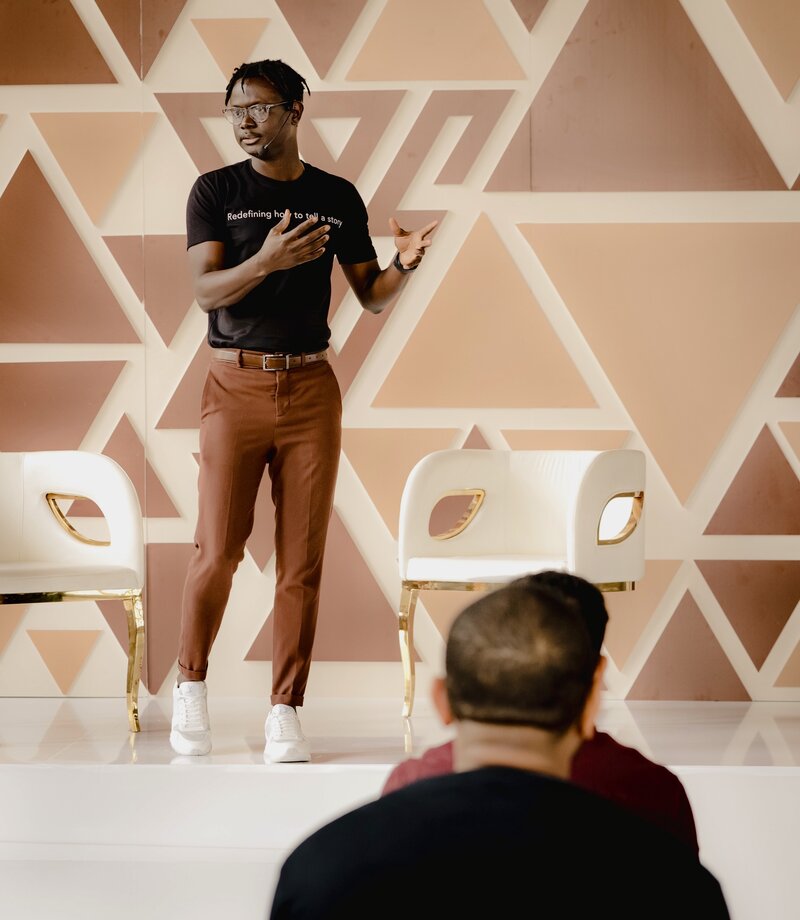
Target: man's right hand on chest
<point x="285" y="248"/>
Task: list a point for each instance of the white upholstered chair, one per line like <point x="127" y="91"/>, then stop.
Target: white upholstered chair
<point x="523" y="511"/>
<point x="43" y="558"/>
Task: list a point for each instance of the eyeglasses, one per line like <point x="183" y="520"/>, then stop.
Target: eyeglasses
<point x="259" y="112"/>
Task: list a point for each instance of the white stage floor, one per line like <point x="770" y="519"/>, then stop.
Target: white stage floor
<point x="97" y="823"/>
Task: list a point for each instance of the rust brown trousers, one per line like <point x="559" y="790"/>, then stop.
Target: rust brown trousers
<point x="288" y="422"/>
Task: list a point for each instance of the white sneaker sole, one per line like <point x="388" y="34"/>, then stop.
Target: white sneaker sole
<point x="287" y="752"/>
<point x="188" y="747"/>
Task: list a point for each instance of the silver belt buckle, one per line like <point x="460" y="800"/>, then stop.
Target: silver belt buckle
<point x="265" y="358"/>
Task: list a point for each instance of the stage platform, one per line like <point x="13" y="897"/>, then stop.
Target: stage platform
<point x="97" y="823"/>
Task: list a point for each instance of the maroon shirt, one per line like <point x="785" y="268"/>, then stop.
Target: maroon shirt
<point x="603" y="766"/>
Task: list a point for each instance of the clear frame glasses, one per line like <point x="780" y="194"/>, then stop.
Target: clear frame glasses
<point x="259" y="112"/>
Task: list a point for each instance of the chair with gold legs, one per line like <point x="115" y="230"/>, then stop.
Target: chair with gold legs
<point x="44" y="558"/>
<point x="517" y="512"/>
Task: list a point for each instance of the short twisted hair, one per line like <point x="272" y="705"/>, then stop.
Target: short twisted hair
<point x="521" y="655"/>
<point x="285" y="79"/>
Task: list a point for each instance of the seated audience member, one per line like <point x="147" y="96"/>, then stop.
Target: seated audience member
<point x="504" y="835"/>
<point x="602" y="765"/>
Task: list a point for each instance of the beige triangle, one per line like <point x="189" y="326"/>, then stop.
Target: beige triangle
<point x="95" y="150"/>
<point x="230" y="41"/>
<point x="773" y="29"/>
<point x="483" y="341"/>
<point x="383" y="458"/>
<point x="10" y="618"/>
<point x="680" y="318"/>
<point x="335" y="133"/>
<point x="64" y="651"/>
<point x="445" y="40"/>
<point x="630" y="611"/>
<point x="539" y="439"/>
<point x="790" y="675"/>
<point x="791" y="431"/>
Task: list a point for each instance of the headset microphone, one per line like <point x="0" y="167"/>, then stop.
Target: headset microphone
<point x="266" y="146"/>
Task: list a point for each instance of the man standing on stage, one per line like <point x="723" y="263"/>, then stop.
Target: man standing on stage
<point x="261" y="237"/>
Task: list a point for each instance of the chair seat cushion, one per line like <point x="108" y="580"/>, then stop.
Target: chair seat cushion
<point x="40" y="577"/>
<point x="492" y="569"/>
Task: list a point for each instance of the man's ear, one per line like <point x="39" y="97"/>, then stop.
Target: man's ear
<point x="297" y="111"/>
<point x="586" y="722"/>
<point x="441" y="701"/>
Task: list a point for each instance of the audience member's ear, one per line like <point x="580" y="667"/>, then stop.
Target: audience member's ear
<point x="586" y="722"/>
<point x="441" y="701"/>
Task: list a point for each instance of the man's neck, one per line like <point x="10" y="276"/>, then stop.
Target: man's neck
<point x="523" y="747"/>
<point x="285" y="169"/>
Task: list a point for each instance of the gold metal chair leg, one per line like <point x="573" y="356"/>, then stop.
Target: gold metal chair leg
<point x="135" y="612"/>
<point x="408" y="601"/>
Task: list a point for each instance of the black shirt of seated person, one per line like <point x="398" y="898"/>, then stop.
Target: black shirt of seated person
<point x="287" y="312"/>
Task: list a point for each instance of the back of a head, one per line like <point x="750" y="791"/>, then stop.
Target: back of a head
<point x="589" y="599"/>
<point x="520" y="656"/>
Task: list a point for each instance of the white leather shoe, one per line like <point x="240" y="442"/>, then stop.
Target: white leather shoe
<point x="286" y="742"/>
<point x="191" y="731"/>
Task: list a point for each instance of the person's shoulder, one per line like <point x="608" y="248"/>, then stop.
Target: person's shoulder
<point x="434" y="762"/>
<point x="215" y="178"/>
<point x="603" y="750"/>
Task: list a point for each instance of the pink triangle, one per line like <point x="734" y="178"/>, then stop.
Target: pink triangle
<point x="529" y="11"/>
<point x="157" y="269"/>
<point x="757" y="596"/>
<point x="356" y="622"/>
<point x="764" y="497"/>
<point x="791" y="383"/>
<point x="475" y="440"/>
<point x="183" y="409"/>
<point x="321" y="28"/>
<point x="125" y="446"/>
<point x="688" y="663"/>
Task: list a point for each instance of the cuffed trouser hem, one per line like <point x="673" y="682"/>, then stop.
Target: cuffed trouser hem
<point x="289" y="699"/>
<point x="192" y="675"/>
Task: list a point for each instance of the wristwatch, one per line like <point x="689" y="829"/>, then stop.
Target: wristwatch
<point x="402" y="268"/>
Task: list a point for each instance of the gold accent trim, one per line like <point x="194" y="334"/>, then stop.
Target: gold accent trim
<point x="52" y="501"/>
<point x="478" y="496"/>
<point x="608" y="587"/>
<point x="408" y="603"/>
<point x="637" y="506"/>
<point x="133" y="607"/>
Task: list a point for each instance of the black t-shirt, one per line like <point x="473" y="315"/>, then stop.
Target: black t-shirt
<point x="494" y="842"/>
<point x="288" y="311"/>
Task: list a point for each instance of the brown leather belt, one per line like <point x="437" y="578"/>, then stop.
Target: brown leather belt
<point x="263" y="361"/>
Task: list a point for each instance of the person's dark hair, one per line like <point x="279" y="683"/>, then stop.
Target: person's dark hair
<point x="520" y="656"/>
<point x="590" y="601"/>
<point x="285" y="79"/>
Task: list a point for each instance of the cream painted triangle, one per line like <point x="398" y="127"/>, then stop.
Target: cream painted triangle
<point x="10" y="618"/>
<point x="773" y="30"/>
<point x="335" y="133"/>
<point x="64" y="652"/>
<point x="383" y="458"/>
<point x="230" y="41"/>
<point x="475" y="313"/>
<point x="95" y="150"/>
<point x="649" y="324"/>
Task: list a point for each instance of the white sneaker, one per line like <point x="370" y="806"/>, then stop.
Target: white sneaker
<point x="286" y="742"/>
<point x="191" y="731"/>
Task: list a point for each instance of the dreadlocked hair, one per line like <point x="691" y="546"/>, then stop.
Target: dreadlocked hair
<point x="286" y="81"/>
